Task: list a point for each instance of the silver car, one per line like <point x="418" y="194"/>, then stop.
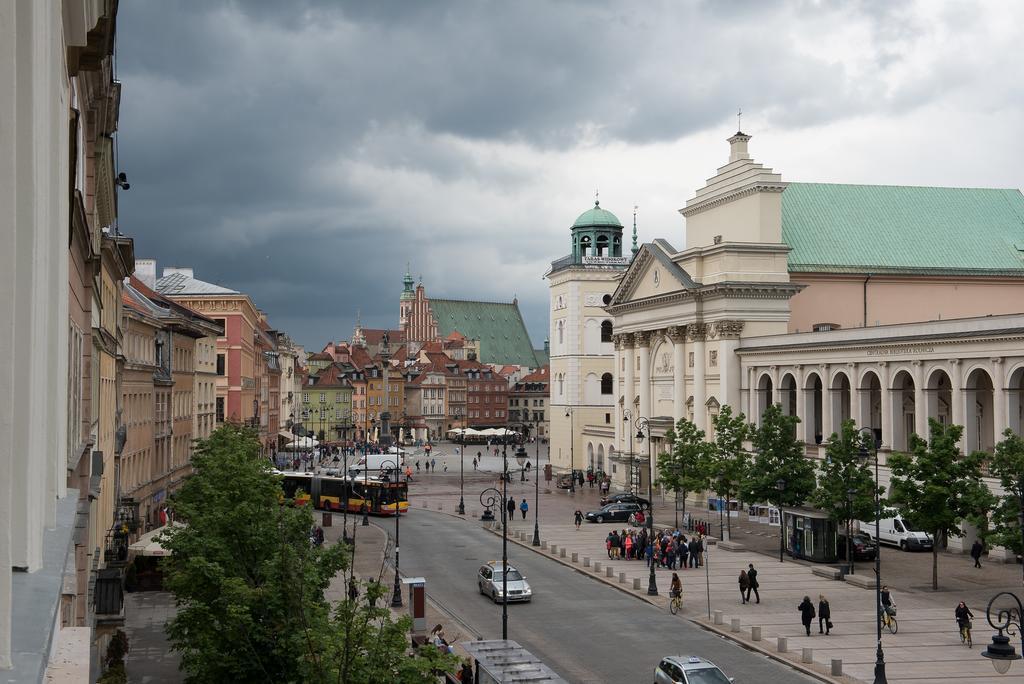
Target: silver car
<point x="491" y="583"/>
<point x="688" y="670"/>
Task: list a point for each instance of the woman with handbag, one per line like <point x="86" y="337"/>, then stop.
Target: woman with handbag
<point x="824" y="616"/>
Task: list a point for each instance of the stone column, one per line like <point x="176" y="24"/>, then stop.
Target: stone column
<point x="920" y="403"/>
<point x="826" y="405"/>
<point x="999" y="400"/>
<point x="643" y="342"/>
<point x="956" y="394"/>
<point x="886" y="391"/>
<point x="752" y="415"/>
<point x="629" y="391"/>
<point x="678" y="334"/>
<point x="856" y="407"/>
<point x="729" y="378"/>
<point x="801" y="403"/>
<point x="697" y="333"/>
<point x="617" y="390"/>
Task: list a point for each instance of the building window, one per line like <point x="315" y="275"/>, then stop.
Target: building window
<point x="606" y="383"/>
<point x="323" y="397"/>
<point x="824" y="327"/>
<point x="606" y="331"/>
<point x="220" y="364"/>
<point x="223" y="326"/>
<point x="713" y="358"/>
<point x="220" y="409"/>
<point x="607" y="418"/>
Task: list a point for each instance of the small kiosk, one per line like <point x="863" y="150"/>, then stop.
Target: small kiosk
<point x="810" y="535"/>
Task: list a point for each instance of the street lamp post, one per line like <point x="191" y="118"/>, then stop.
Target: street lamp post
<point x="627" y="417"/>
<point x="488" y="498"/>
<point x="572" y="443"/>
<point x="1000" y="652"/>
<point x="536" y="490"/>
<point x="366" y="476"/>
<point x="780" y="485"/>
<point x="396" y="597"/>
<point x="643" y="425"/>
<point x="462" y="470"/>
<point x="879" y="655"/>
<point x="850" y="493"/>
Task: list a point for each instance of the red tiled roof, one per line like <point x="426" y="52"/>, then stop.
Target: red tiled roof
<point x="541" y="375"/>
<point x="321" y="356"/>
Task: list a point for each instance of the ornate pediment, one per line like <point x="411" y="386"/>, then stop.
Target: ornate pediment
<point x="652" y="273"/>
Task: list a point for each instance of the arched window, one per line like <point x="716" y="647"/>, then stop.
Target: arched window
<point x="606" y="383"/>
<point x="606" y="331"/>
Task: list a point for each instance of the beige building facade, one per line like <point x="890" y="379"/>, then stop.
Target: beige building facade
<point x="838" y="302"/>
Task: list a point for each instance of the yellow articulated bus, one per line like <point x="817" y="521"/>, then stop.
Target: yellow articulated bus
<point x="330" y="493"/>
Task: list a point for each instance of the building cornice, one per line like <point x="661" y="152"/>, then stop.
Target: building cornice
<point x="712" y="202"/>
<point x="726" y="290"/>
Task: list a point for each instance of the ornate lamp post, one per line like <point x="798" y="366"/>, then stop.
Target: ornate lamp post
<point x="366" y="475"/>
<point x="488" y="498"/>
<point x="536" y="490"/>
<point x="642" y="426"/>
<point x="462" y="470"/>
<point x="1000" y="652"/>
<point x="868" y="433"/>
<point x="396" y="597"/>
<point x="780" y="485"/>
<point x="572" y="443"/>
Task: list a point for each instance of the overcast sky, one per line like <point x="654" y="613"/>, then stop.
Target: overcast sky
<point x="303" y="152"/>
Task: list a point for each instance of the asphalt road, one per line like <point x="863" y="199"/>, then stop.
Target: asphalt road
<point x="583" y="629"/>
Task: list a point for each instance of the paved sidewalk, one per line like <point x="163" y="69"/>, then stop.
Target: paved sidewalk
<point x="926" y="649"/>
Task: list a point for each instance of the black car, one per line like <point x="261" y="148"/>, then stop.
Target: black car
<point x="626" y="497"/>
<point x="863" y="547"/>
<point x="613" y="512"/>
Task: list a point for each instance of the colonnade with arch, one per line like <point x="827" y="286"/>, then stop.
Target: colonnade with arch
<point x="895" y="398"/>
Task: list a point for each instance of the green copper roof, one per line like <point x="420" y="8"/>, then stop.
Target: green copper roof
<point x="894" y="229"/>
<point x="498" y="326"/>
<point x="596" y="217"/>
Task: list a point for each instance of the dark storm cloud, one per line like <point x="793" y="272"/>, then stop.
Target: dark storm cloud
<point x="303" y="151"/>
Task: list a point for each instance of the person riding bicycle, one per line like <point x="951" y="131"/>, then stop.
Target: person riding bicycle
<point x="963" y="616"/>
<point x="888" y="606"/>
<point x="676" y="588"/>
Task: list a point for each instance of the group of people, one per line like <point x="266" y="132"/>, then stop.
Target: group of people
<point x="431" y="465"/>
<point x="824" y="614"/>
<point x="510" y="507"/>
<point x="668" y="548"/>
<point x="748" y="583"/>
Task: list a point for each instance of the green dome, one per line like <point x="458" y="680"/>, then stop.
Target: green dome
<point x="596" y="217"/>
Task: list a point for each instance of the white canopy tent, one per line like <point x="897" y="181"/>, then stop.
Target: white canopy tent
<point x="149" y="545"/>
<point x="301" y="443"/>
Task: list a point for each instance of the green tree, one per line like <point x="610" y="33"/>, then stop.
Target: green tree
<point x="780" y="474"/>
<point x="250" y="588"/>
<point x="936" y="487"/>
<point x="846" y="487"/>
<point x="729" y="461"/>
<point x="684" y="468"/>
<point x="1008" y="465"/>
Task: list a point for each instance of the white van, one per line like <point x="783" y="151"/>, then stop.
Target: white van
<point x="898" y="532"/>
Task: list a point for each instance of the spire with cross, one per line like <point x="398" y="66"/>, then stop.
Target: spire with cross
<point x="635" y="247"/>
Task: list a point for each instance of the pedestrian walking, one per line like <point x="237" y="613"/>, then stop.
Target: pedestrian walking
<point x="806" y="609"/>
<point x="693" y="548"/>
<point x="744" y="586"/>
<point x="524" y="507"/>
<point x="824" y="615"/>
<point x="444" y="466"/>
<point x="474" y="464"/>
<point x="608" y="542"/>
<point x="433" y="464"/>
<point x="976" y="549"/>
<point x="577" y="518"/>
<point x="511" y="507"/>
<point x="754" y="584"/>
<point x="417" y="466"/>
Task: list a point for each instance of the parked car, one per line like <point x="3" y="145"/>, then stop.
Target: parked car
<point x="863" y="547"/>
<point x="625" y="497"/>
<point x="613" y="512"/>
<point x="491" y="583"/>
<point x="899" y="532"/>
<point x="688" y="670"/>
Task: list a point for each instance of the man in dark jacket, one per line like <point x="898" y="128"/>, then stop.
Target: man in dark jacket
<point x="694" y="548"/>
<point x="752" y="577"/>
<point x="976" y="549"/>
<point x="824" y="616"/>
<point x="511" y="508"/>
<point x="806" y="609"/>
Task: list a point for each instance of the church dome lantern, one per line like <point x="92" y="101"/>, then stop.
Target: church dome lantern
<point x="596" y="232"/>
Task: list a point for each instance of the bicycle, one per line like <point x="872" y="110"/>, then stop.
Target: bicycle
<point x="676" y="604"/>
<point x="888" y="619"/>
<point x="965" y="634"/>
